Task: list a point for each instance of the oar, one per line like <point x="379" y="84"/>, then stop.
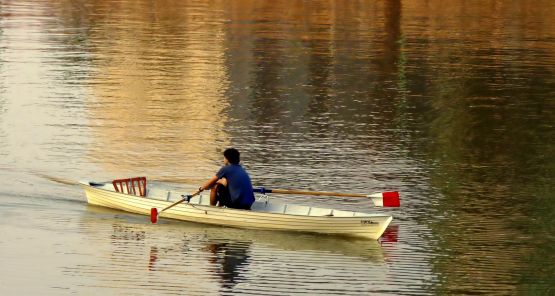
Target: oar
<point x="57" y="179"/>
<point x="154" y="213"/>
<point x="380" y="199"/>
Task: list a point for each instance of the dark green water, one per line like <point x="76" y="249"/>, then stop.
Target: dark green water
<point x="450" y="103"/>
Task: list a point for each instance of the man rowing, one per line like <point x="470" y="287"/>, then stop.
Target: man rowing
<point x="231" y="186"/>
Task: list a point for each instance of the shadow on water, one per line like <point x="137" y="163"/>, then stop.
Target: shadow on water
<point x="175" y="256"/>
<point x="284" y="240"/>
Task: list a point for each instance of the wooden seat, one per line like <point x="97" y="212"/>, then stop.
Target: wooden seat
<point x="135" y="186"/>
<point x="297" y="210"/>
<point x="320" y="212"/>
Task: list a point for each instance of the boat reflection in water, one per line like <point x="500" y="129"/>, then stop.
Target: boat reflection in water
<point x="207" y="258"/>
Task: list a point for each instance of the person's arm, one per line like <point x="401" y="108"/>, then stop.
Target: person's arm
<point x="209" y="183"/>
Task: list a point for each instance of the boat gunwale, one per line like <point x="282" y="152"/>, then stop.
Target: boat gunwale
<point x="242" y="211"/>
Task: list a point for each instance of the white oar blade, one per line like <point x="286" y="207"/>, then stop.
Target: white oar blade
<point x="386" y="199"/>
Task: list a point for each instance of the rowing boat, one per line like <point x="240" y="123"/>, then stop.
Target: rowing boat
<point x="264" y="214"/>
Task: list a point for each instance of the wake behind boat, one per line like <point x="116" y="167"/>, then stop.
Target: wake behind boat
<point x="133" y="195"/>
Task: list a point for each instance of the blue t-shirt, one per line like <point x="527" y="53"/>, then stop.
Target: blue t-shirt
<point x="238" y="183"/>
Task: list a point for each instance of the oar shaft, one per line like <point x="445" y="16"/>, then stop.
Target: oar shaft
<point x="380" y="199"/>
<point x="302" y="192"/>
<point x="178" y="202"/>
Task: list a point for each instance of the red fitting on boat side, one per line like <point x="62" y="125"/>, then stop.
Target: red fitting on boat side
<point x="153" y="215"/>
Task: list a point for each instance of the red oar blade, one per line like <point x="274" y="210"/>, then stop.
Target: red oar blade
<point x="386" y="199"/>
<point x="391" y="199"/>
<point x="153" y="215"/>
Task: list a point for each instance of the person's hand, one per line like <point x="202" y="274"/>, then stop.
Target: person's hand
<point x="200" y="189"/>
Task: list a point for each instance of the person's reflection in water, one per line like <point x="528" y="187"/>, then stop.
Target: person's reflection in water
<point x="229" y="257"/>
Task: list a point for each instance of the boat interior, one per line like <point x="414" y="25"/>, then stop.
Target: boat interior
<point x="262" y="203"/>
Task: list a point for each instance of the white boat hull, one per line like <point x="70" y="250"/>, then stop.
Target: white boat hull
<point x="264" y="214"/>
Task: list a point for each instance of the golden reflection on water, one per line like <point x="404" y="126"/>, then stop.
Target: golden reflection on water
<point x="162" y="76"/>
<point x="159" y="94"/>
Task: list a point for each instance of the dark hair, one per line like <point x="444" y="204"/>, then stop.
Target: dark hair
<point x="232" y="155"/>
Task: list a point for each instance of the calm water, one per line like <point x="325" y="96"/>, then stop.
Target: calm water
<point x="450" y="103"/>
